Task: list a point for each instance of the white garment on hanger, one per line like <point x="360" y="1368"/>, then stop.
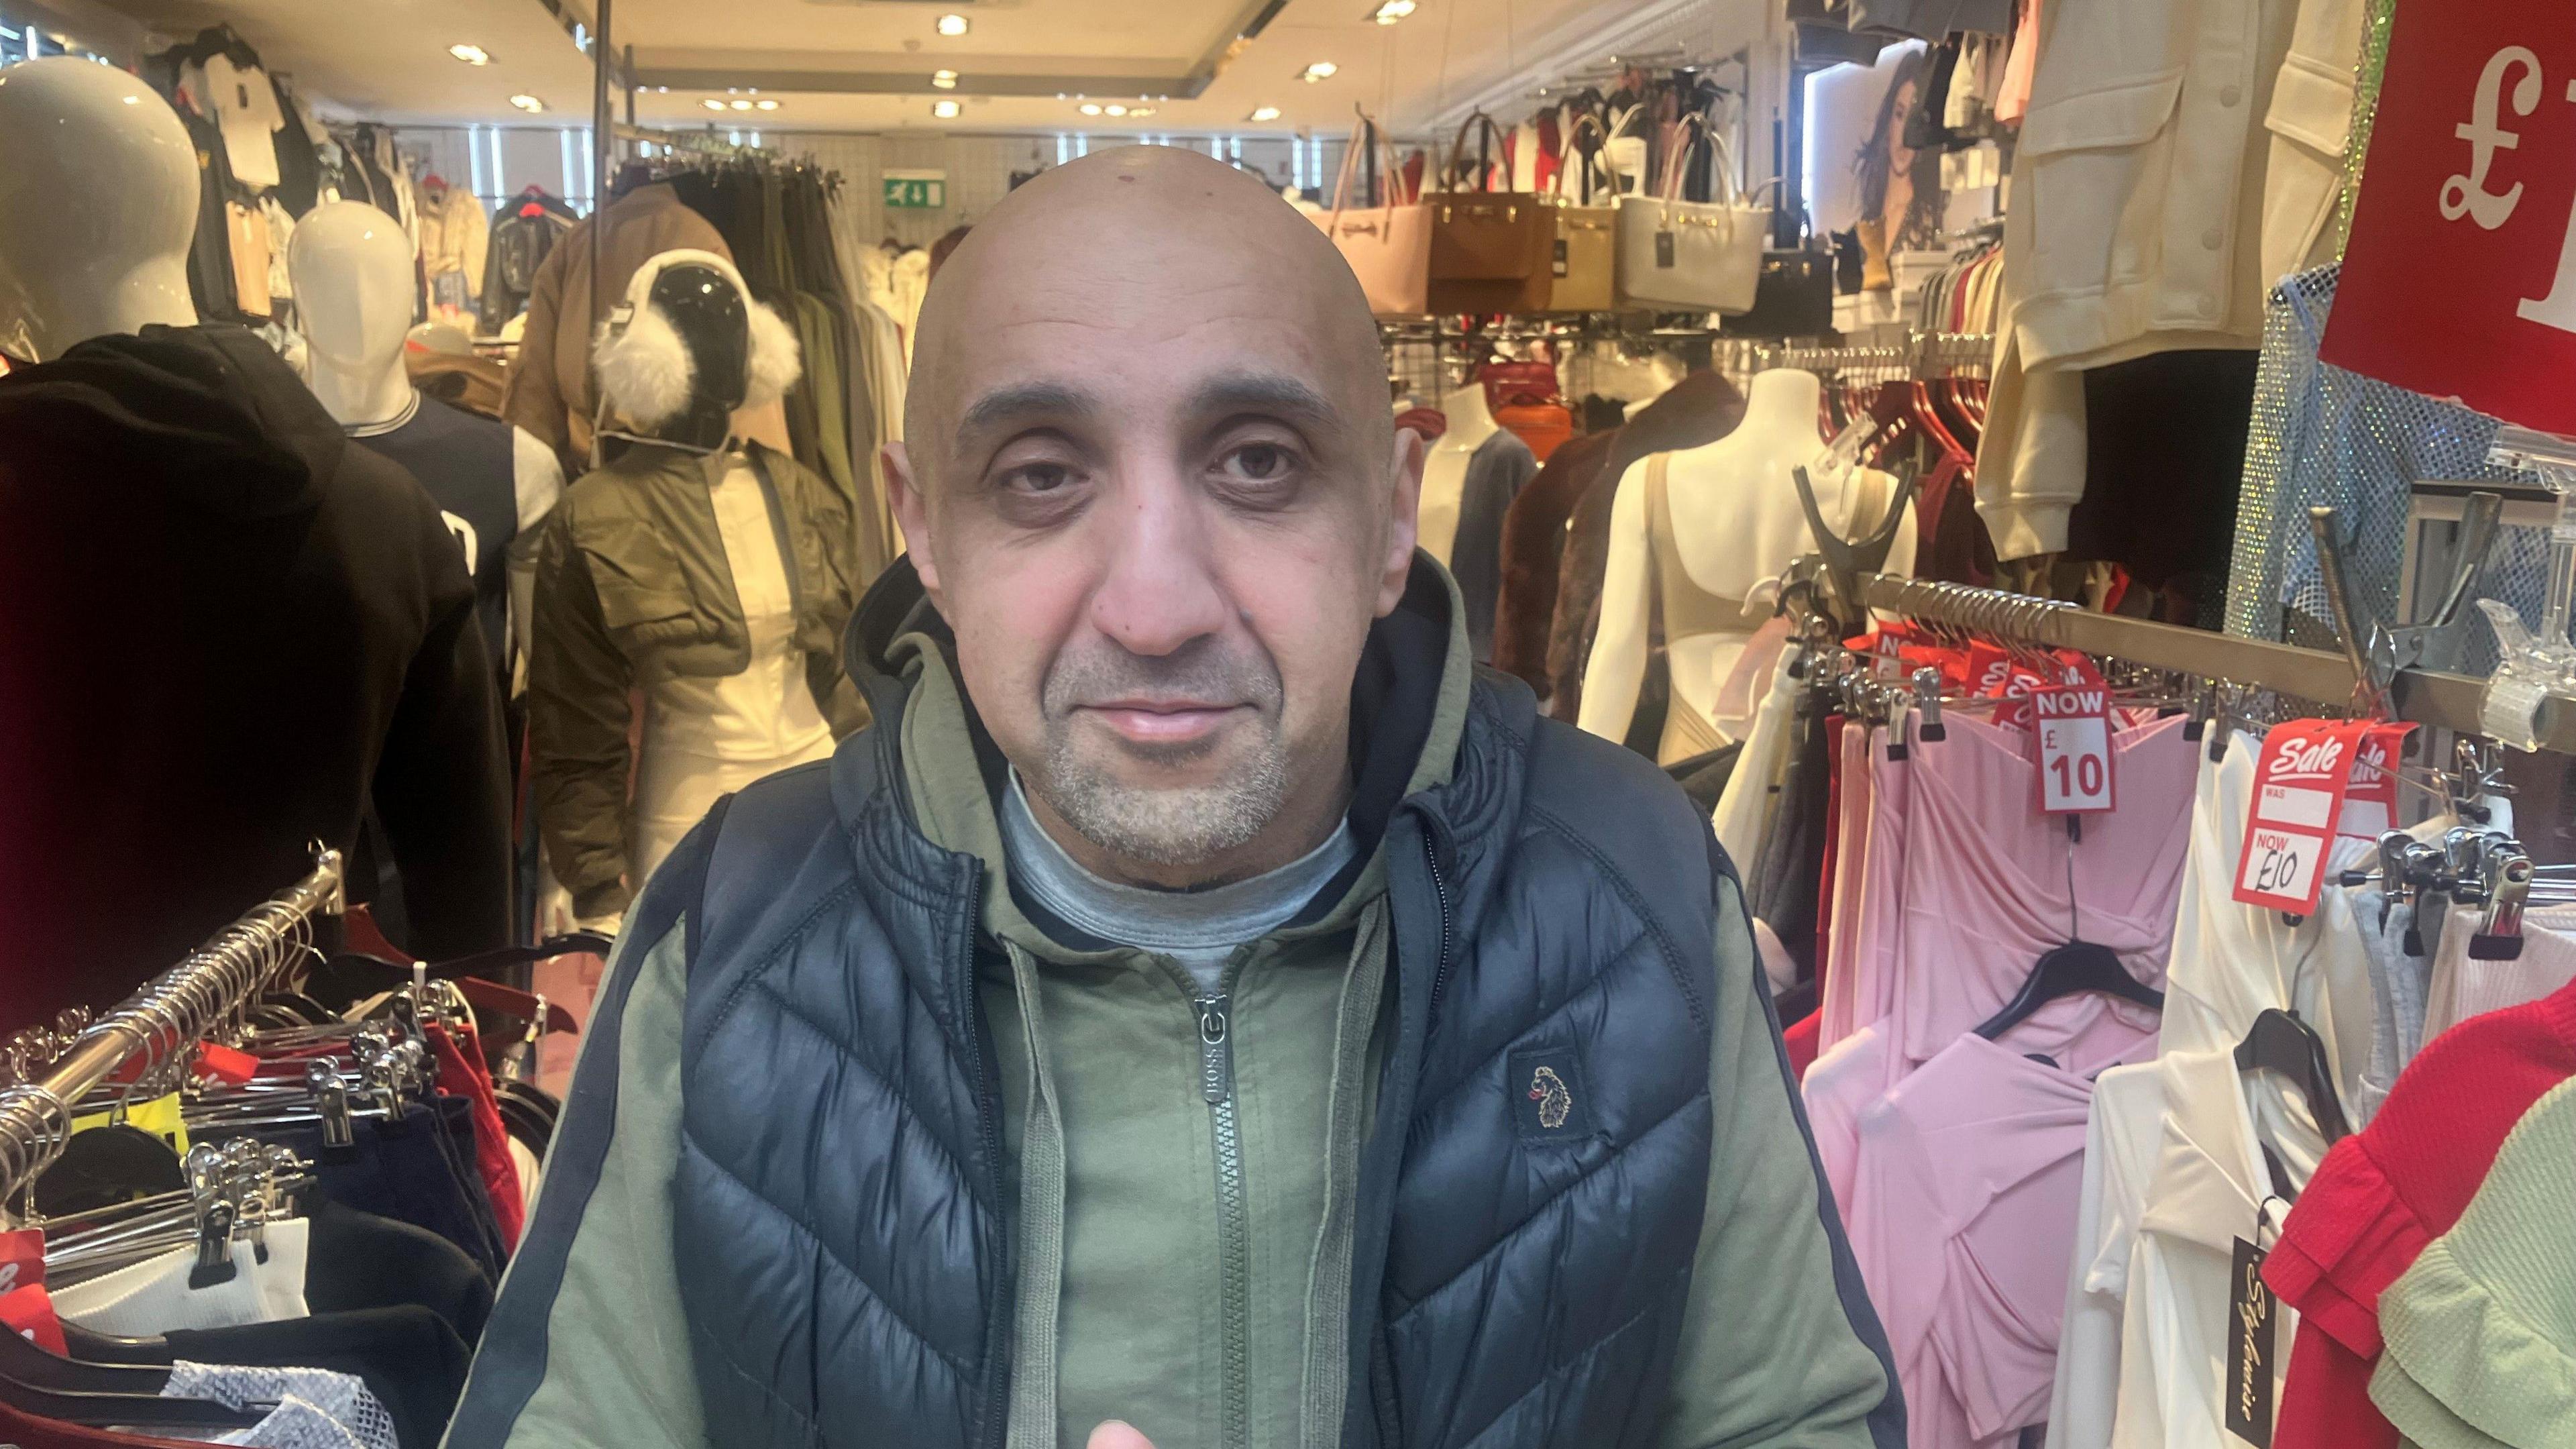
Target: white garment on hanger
<point x="2119" y="1156"/>
<point x="245" y="107"/>
<point x="1744" y="811"/>
<point x="152" y="1297"/>
<point x="706" y="737"/>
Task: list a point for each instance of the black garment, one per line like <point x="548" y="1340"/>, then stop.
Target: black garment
<point x="227" y="628"/>
<point x="524" y="230"/>
<point x="1703" y="777"/>
<point x="1782" y="888"/>
<point x="422" y="1173"/>
<point x="357" y="1260"/>
<point x="408" y="1357"/>
<point x="470" y="468"/>
<point x="2164" y="456"/>
<point x="299" y="162"/>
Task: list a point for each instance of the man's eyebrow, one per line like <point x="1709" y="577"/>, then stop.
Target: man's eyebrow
<point x="1264" y="392"/>
<point x="1005" y="403"/>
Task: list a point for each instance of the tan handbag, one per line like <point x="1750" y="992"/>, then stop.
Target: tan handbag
<point x="1584" y="263"/>
<point x="1682" y="256"/>
<point x="1388" y="245"/>
<point x="1490" y="250"/>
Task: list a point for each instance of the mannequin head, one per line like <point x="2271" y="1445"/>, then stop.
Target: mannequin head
<point x="1787" y="402"/>
<point x="98" y="202"/>
<point x="352" y="269"/>
<point x="688" y="346"/>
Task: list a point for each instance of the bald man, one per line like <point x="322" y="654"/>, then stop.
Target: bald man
<point x="1201" y="1012"/>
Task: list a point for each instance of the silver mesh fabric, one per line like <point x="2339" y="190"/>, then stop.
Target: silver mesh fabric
<point x="2323" y="435"/>
<point x="316" y="1409"/>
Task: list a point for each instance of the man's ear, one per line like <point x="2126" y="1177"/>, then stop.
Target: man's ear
<point x="1404" y="528"/>
<point x="911" y="514"/>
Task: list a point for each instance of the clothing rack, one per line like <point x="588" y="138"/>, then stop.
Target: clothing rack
<point x="162" y="1018"/>
<point x="2428" y="697"/>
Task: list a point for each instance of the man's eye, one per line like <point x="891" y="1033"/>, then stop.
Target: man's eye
<point x="1260" y="462"/>
<point x="1038" y="478"/>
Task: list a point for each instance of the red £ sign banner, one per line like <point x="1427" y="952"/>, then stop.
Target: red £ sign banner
<point x="2460" y="276"/>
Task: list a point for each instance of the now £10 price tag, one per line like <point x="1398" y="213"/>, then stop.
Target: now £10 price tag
<point x="2072" y="728"/>
<point x="2299" y="785"/>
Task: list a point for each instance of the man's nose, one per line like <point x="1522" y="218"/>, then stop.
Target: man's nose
<point x="1159" y="589"/>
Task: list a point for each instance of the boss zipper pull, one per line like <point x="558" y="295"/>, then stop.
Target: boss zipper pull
<point x="1216" y="1050"/>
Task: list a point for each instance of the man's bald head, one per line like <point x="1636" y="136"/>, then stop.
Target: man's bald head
<point x="1142" y="236"/>
<point x="1150" y="477"/>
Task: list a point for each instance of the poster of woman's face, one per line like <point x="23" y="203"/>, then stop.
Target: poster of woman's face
<point x="1859" y="167"/>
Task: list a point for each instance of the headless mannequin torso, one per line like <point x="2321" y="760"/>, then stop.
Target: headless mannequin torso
<point x="1444" y="469"/>
<point x="118" y="261"/>
<point x="1734" y="524"/>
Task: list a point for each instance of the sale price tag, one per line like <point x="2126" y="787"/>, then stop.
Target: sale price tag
<point x="2370" y="806"/>
<point x="2073" y="731"/>
<point x="2299" y="785"/>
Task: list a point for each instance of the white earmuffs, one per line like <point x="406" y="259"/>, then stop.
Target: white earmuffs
<point x="645" y="368"/>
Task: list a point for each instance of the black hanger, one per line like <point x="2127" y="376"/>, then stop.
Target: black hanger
<point x="2074" y="969"/>
<point x="2282" y="1044"/>
<point x="33" y="1381"/>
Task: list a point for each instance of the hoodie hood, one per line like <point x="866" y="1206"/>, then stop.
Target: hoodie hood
<point x="209" y="412"/>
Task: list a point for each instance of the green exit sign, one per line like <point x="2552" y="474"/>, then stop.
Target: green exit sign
<point x="916" y="190"/>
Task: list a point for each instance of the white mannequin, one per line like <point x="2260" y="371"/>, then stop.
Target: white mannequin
<point x="1444" y="468"/>
<point x="98" y="203"/>
<point x="1737" y="525"/>
<point x="352" y="269"/>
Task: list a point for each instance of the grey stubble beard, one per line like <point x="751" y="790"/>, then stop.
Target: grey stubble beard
<point x="1178" y="826"/>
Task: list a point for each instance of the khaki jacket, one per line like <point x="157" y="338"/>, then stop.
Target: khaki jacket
<point x="633" y="588"/>
<point x="454" y="235"/>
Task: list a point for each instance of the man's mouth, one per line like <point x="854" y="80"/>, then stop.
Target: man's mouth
<point x="1163" y="722"/>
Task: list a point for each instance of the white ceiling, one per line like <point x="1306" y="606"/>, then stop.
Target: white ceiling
<point x="865" y="65"/>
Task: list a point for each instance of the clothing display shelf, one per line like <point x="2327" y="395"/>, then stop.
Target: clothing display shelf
<point x="2428" y="697"/>
<point x="162" y="1019"/>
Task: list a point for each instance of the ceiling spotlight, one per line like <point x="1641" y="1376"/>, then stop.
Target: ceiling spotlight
<point x="952" y="25"/>
<point x="1114" y="109"/>
<point x="739" y="105"/>
<point x="1393" y="11"/>
<point x="1133" y="112"/>
<point x="471" y="54"/>
<point x="712" y="105"/>
<point x="1263" y="113"/>
<point x="1089" y="108"/>
<point x="945" y="80"/>
<point x="767" y="105"/>
<point x="530" y="104"/>
<point x="1320" y="70"/>
<point x="944" y="110"/>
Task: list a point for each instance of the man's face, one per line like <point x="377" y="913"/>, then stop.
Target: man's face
<point x="1159" y="513"/>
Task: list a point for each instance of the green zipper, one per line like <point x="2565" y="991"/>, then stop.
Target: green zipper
<point x="1233" y="1213"/>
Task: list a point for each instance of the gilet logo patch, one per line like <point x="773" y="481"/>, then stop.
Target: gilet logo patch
<point x="1549" y="1100"/>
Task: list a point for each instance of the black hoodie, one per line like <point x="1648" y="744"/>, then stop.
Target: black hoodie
<point x="222" y="628"/>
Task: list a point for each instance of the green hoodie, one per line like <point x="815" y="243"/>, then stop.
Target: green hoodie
<point x="1184" y="1264"/>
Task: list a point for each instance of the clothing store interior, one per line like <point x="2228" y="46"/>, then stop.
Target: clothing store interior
<point x="2133" y="684"/>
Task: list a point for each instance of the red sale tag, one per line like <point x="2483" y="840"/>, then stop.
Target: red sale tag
<point x="2460" y="276"/>
<point x="2074" y="740"/>
<point x="1891" y="655"/>
<point x="2299" y="785"/>
<point x="1989" y="669"/>
<point x="2370" y="806"/>
<point x="29" y="1313"/>
<point x="225" y="1064"/>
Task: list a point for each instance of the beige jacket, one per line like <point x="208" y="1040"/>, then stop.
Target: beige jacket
<point x="550" y="391"/>
<point x="454" y="235"/>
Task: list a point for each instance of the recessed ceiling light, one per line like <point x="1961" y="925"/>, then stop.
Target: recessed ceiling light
<point x="767" y="105"/>
<point x="944" y="110"/>
<point x="1089" y="108"/>
<point x="1263" y="113"/>
<point x="952" y="25"/>
<point x="945" y="80"/>
<point x="1115" y="109"/>
<point x="739" y="105"/>
<point x="471" y="54"/>
<point x="1393" y="11"/>
<point x="530" y="104"/>
<point x="1320" y="70"/>
<point x="712" y="105"/>
<point x="1135" y="111"/>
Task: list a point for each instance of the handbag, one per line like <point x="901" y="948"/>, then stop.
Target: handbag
<point x="1490" y="250"/>
<point x="1389" y="245"/>
<point x="1794" y="298"/>
<point x="1680" y="256"/>
<point x="1584" y="262"/>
